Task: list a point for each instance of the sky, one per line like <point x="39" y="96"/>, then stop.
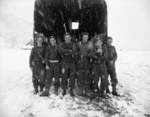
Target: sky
<point x="21" y="8"/>
<point x="129" y="23"/>
<point x="128" y="20"/>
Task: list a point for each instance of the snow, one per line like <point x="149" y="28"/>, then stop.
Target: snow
<point x="17" y="100"/>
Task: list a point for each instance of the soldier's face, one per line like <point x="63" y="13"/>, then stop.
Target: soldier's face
<point x="67" y="38"/>
<point x="52" y="41"/>
<point x="98" y="43"/>
<point x="39" y="41"/>
<point x="109" y="41"/>
<point x="45" y="40"/>
<point x="85" y="38"/>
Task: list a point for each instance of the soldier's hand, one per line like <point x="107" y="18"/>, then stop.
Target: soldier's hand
<point x="63" y="70"/>
<point x="47" y="67"/>
<point x="70" y="51"/>
<point x="95" y="56"/>
<point x="43" y="61"/>
<point x="32" y="63"/>
<point x="100" y="50"/>
<point x="111" y="62"/>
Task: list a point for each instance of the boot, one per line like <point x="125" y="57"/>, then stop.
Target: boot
<point x="41" y="87"/>
<point x="103" y="94"/>
<point x="114" y="92"/>
<point x="71" y="92"/>
<point x="80" y="93"/>
<point x="35" y="89"/>
<point x="88" y="91"/>
<point x="107" y="90"/>
<point x="56" y="91"/>
<point x="45" y="93"/>
<point x="64" y="92"/>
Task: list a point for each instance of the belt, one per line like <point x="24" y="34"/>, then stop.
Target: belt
<point x="53" y="61"/>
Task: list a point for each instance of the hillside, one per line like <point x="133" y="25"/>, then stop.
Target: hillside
<point x="14" y="32"/>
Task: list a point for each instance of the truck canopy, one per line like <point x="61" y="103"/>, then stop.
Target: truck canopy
<point x="55" y="17"/>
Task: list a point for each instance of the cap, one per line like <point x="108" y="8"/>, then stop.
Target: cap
<point x="39" y="35"/>
<point x="109" y="37"/>
<point x="51" y="37"/>
<point x="85" y="33"/>
<point x="66" y="34"/>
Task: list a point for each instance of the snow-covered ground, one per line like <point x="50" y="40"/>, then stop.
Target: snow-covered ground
<point x="17" y="100"/>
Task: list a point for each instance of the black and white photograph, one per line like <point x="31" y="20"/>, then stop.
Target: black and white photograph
<point x="74" y="58"/>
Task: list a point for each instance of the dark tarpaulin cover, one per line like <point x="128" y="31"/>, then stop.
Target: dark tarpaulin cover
<point x="54" y="17"/>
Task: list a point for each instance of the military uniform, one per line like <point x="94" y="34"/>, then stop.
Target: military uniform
<point x="112" y="56"/>
<point x="99" y="69"/>
<point x="43" y="78"/>
<point x="68" y="67"/>
<point x="37" y="64"/>
<point x="84" y="66"/>
<point x="52" y="59"/>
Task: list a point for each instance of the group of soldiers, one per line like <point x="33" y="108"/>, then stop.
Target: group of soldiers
<point x="87" y="63"/>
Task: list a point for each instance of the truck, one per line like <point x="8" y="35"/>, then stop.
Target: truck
<point x="56" y="17"/>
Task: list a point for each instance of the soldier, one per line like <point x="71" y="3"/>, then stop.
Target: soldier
<point x="112" y="57"/>
<point x="99" y="59"/>
<point x="36" y="63"/>
<point x="84" y="78"/>
<point x="45" y="42"/>
<point x="68" y="67"/>
<point x="52" y="60"/>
